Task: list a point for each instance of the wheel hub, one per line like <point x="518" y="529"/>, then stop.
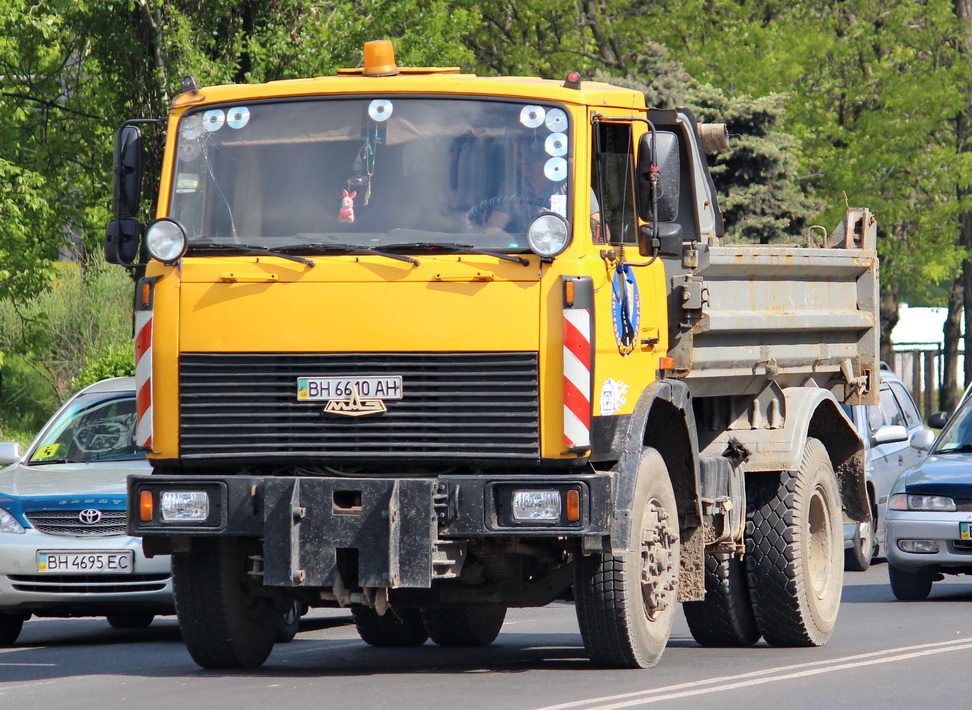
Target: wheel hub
<point x="658" y="573"/>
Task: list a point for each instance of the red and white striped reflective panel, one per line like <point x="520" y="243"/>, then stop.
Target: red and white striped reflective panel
<point x="143" y="378"/>
<point x="577" y="378"/>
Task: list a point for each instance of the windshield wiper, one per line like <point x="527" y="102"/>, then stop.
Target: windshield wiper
<point x="349" y="249"/>
<point x="250" y="249"/>
<point x="47" y="461"/>
<point x="465" y="248"/>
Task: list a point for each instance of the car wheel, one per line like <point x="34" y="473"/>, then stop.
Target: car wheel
<point x="793" y="550"/>
<point x="910" y="586"/>
<point x="10" y="626"/>
<point x="132" y="620"/>
<point x="858" y="557"/>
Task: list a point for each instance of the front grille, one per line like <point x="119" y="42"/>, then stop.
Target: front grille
<point x="89" y="583"/>
<point x="454" y="406"/>
<point x="67" y="522"/>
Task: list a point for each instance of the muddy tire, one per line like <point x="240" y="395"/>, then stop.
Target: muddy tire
<point x="396" y="628"/>
<point x="910" y="586"/>
<point x="132" y="620"/>
<point x="794" y="550"/>
<point x="10" y="627"/>
<point x="858" y="557"/>
<point x="223" y="623"/>
<point x="626" y="603"/>
<point x="470" y="626"/>
<point x="725" y="617"/>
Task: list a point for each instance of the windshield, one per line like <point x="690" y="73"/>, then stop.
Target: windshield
<point x="369" y="172"/>
<point x="957" y="435"/>
<point x="93" y="427"/>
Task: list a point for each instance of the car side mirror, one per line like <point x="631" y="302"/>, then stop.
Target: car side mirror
<point x="888" y="434"/>
<point x="938" y="420"/>
<point x="127" y="171"/>
<point x="923" y="440"/>
<point x="9" y="452"/>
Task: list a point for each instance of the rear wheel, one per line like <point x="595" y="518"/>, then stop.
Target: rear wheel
<point x="910" y="586"/>
<point x="132" y="620"/>
<point x="725" y="617"/>
<point x="467" y="626"/>
<point x="626" y="603"/>
<point x="394" y="628"/>
<point x="10" y="626"/>
<point x="290" y="622"/>
<point x="224" y="623"/>
<point x="794" y="550"/>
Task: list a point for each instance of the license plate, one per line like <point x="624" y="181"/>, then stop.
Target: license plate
<point x="322" y="389"/>
<point x="64" y="562"/>
<point x="965" y="531"/>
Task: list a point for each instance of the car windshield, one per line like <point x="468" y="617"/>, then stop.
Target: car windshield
<point x="320" y="176"/>
<point x="957" y="435"/>
<point x="93" y="427"/>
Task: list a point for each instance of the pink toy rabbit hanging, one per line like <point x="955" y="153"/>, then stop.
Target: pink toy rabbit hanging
<point x="346" y="213"/>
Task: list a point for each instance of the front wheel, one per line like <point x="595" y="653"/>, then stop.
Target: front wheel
<point x="910" y="586"/>
<point x="794" y="550"/>
<point x="10" y="626"/>
<point x="626" y="603"/>
<point x="224" y="623"/>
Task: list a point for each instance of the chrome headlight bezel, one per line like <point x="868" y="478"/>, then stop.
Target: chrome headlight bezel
<point x="548" y="234"/>
<point x="166" y="240"/>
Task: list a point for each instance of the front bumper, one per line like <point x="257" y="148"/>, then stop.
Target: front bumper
<point x="23" y="589"/>
<point x="953" y="556"/>
<point x="390" y="529"/>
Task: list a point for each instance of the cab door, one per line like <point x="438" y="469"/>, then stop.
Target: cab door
<point x="630" y="299"/>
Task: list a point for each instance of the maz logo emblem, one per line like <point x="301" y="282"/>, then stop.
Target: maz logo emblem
<point x="355" y="407"/>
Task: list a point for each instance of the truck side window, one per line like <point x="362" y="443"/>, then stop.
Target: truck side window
<point x="612" y="179"/>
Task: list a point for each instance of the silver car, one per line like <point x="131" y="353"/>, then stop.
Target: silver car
<point x="887" y="431"/>
<point x="63" y="546"/>
<point x="929" y="521"/>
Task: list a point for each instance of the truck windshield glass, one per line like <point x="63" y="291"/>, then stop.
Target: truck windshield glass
<point x="370" y="172"/>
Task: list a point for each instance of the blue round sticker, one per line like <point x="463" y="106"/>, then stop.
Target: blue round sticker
<point x="625" y="308"/>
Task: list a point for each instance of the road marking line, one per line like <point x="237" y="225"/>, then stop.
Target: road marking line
<point x="742" y="680"/>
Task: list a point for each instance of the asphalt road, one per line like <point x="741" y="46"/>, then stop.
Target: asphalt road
<point x="884" y="654"/>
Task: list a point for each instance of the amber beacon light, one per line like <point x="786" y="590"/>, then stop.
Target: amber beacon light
<point x="379" y="58"/>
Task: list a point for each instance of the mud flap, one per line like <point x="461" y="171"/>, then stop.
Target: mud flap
<point x="382" y="528"/>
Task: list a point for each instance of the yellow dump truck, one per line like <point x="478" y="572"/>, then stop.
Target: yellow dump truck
<point x="430" y="345"/>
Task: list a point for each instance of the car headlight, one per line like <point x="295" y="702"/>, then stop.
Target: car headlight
<point x="9" y="524"/>
<point x="912" y="501"/>
<point x="166" y="240"/>
<point x="548" y="234"/>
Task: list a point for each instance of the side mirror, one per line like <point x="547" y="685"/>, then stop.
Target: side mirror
<point x="938" y="420"/>
<point x="9" y="452"/>
<point x="922" y="440"/>
<point x="663" y="155"/>
<point x="122" y="238"/>
<point x="889" y="433"/>
<point x="127" y="171"/>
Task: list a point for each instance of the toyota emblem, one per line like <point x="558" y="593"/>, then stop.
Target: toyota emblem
<point x="89" y="516"/>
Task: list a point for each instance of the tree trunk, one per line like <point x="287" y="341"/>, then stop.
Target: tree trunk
<point x="890" y="300"/>
<point x="949" y="393"/>
<point x="963" y="144"/>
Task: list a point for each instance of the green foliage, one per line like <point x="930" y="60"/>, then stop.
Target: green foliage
<point x="117" y="362"/>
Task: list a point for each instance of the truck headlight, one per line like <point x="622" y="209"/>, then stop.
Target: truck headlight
<point x="548" y="234"/>
<point x="166" y="240"/>
<point x="184" y="506"/>
<point x="536" y="505"/>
